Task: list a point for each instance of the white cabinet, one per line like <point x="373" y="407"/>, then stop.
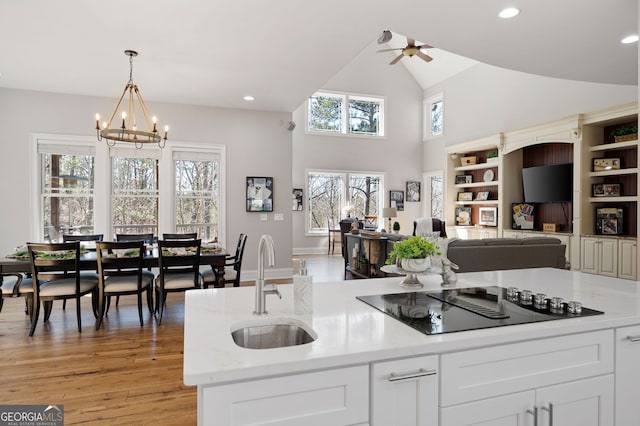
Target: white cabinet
<point x="599" y="256"/>
<point x="474" y="233"/>
<point x="332" y="397"/>
<point x="568" y="377"/>
<point x="627" y="259"/>
<point x="587" y="402"/>
<point x="627" y="376"/>
<point x="405" y="392"/>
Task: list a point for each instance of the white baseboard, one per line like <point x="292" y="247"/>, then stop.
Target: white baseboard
<point x="269" y="273"/>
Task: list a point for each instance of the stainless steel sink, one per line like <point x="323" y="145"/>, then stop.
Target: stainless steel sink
<point x="273" y="334"/>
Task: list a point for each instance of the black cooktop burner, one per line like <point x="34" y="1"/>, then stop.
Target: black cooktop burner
<point x="461" y="309"/>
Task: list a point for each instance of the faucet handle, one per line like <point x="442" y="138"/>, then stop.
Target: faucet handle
<point x="272" y="289"/>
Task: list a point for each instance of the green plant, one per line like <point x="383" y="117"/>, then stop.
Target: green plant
<point x="396" y="226"/>
<point x="492" y="154"/>
<point x="412" y="248"/>
<point x="627" y="130"/>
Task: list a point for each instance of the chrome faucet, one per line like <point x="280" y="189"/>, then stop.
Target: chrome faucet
<point x="261" y="289"/>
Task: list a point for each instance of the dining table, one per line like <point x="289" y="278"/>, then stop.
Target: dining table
<point x="88" y="262"/>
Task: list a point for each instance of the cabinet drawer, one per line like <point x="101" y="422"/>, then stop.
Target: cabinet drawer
<point x="332" y="397"/>
<point x="499" y="370"/>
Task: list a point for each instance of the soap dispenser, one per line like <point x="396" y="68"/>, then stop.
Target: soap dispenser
<point x="302" y="291"/>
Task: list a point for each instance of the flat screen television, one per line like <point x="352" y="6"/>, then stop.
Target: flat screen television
<point x="548" y="184"/>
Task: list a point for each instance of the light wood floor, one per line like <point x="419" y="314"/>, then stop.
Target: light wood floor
<point x="122" y="374"/>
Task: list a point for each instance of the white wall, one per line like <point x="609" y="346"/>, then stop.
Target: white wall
<point x="257" y="144"/>
<point x="399" y="154"/>
<point x="485" y="100"/>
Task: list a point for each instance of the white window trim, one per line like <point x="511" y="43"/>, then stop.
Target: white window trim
<point x="426" y="184"/>
<point x="345" y="115"/>
<point x="102" y="183"/>
<point x="426" y="117"/>
<point x="345" y="174"/>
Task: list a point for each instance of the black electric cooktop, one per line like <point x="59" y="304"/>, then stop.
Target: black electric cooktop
<point x="462" y="309"/>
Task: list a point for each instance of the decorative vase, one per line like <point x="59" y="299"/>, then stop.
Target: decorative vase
<point x="415" y="265"/>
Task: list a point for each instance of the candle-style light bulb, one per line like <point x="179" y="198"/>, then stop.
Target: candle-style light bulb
<point x="155" y="121"/>
<point x="166" y="131"/>
<point x="104" y="124"/>
<point x="97" y="121"/>
<point x="124" y="116"/>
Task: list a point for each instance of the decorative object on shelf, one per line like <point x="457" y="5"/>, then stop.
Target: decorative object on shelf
<point x="296" y="198"/>
<point x="371" y="222"/>
<point x="626" y="133"/>
<point x="396" y="199"/>
<point x="549" y="227"/>
<point x="482" y="195"/>
<point x="522" y="216"/>
<point x="602" y="164"/>
<point x="463" y="216"/>
<point x="259" y="194"/>
<point x="396" y="227"/>
<point x="609" y="221"/>
<point x="605" y="190"/>
<point x="488" y="216"/>
<point x="463" y="179"/>
<point x="492" y="156"/>
<point x="488" y="175"/>
<point x="129" y="130"/>
<point x="465" y="196"/>
<point x="468" y="161"/>
<point x="389" y="212"/>
<point x="413" y="191"/>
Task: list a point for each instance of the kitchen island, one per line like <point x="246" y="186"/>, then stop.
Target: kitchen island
<point x="365" y="367"/>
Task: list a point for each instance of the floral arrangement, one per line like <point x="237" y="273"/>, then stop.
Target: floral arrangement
<point x="413" y="248"/>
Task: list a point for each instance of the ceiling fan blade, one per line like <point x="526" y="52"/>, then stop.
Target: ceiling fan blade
<point x="396" y="59"/>
<point x="389" y="50"/>
<point x="410" y="42"/>
<point x="424" y="56"/>
<point x="424" y="46"/>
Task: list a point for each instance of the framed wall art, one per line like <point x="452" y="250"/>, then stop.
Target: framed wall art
<point x="413" y="191"/>
<point x="464" y="179"/>
<point x="488" y="216"/>
<point x="609" y="221"/>
<point x="396" y="199"/>
<point x="482" y="195"/>
<point x="465" y="196"/>
<point x="296" y="198"/>
<point x="259" y="194"/>
<point x="463" y="216"/>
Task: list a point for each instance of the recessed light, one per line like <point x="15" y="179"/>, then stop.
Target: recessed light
<point x="509" y="12"/>
<point x="630" y="39"/>
<point x="249" y="98"/>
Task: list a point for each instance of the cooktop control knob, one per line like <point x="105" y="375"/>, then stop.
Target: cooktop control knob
<point x="574" y="307"/>
<point x="526" y="297"/>
<point x="540" y="300"/>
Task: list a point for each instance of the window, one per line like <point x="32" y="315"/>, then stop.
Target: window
<point x="341" y="194"/>
<point x="434" y="195"/>
<point x="335" y="113"/>
<point x="84" y="188"/>
<point x="434" y="116"/>
<point x="67" y="190"/>
<point x="134" y="197"/>
<point x="197" y="194"/>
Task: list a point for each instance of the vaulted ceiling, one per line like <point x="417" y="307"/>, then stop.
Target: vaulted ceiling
<point x="215" y="52"/>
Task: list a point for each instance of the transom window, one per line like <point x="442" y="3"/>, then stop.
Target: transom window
<point x="335" y="195"/>
<point x="341" y="113"/>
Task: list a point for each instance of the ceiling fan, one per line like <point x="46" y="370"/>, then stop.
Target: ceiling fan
<point x="410" y="50"/>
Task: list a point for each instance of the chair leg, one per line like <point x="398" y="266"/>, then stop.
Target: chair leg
<point x="64" y="304"/>
<point x="36" y="312"/>
<point x="117" y="300"/>
<point x="150" y="300"/>
<point x="48" y="305"/>
<point x="140" y="308"/>
<point x="101" y="307"/>
<point x="78" y="316"/>
<point x="160" y="300"/>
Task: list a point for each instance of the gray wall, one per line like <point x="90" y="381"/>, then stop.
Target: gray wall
<point x="485" y="100"/>
<point x="399" y="154"/>
<point x="257" y="144"/>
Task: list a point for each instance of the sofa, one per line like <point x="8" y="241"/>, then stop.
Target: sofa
<point x="491" y="254"/>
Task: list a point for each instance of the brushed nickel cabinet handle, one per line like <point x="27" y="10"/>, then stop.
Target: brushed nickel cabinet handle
<point x="550" y="410"/>
<point x="393" y="377"/>
<point x="534" y="412"/>
<point x="633" y="339"/>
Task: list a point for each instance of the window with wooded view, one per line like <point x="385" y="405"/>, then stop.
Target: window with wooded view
<point x="345" y="114"/>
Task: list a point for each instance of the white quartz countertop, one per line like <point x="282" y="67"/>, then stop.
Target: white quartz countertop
<point x="352" y="332"/>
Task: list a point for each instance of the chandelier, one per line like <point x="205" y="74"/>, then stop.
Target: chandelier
<point x="129" y="131"/>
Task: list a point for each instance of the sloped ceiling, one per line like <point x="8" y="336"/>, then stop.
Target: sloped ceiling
<point x="215" y="52"/>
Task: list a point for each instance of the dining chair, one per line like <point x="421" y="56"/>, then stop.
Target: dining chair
<point x="185" y="236"/>
<point x="55" y="269"/>
<point x="232" y="267"/>
<point x="16" y="285"/>
<point x="179" y="264"/>
<point x="332" y="231"/>
<point x="146" y="237"/>
<point x="85" y="237"/>
<point x="121" y="272"/>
